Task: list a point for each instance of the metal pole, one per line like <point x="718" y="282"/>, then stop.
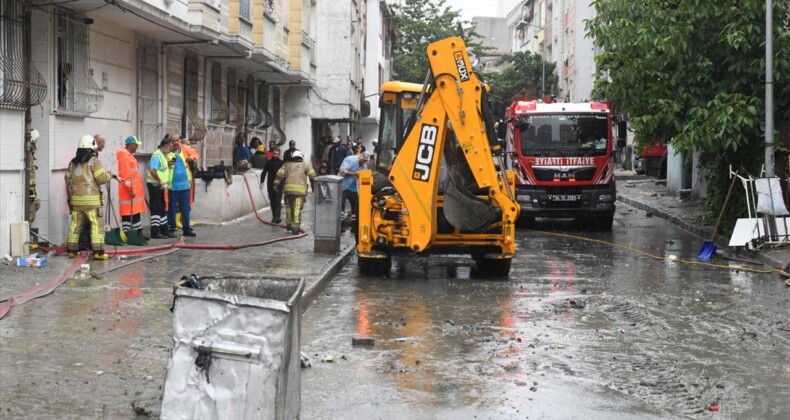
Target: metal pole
<point x="29" y="165"/>
<point x="543" y="75"/>
<point x="769" y="89"/>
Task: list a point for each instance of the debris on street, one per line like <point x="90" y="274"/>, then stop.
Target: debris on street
<point x="362" y="342"/>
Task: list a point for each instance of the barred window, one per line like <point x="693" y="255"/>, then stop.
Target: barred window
<point x="219" y="107"/>
<point x="233" y="103"/>
<point x="279" y="134"/>
<point x="149" y="101"/>
<point x="21" y="85"/>
<point x="192" y="124"/>
<point x="263" y="105"/>
<point x="77" y="92"/>
<point x="276" y="105"/>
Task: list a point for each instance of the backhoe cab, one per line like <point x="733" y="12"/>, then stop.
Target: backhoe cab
<point x="436" y="186"/>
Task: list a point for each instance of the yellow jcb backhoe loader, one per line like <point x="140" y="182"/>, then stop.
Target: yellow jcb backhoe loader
<point x="438" y="189"/>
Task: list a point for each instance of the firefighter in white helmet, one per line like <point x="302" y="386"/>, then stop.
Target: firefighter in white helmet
<point x="295" y="174"/>
<point x="84" y="178"/>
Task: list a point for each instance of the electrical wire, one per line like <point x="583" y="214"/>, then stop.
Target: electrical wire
<point x="656" y="257"/>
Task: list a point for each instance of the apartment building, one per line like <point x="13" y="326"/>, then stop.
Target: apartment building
<point x="379" y="36"/>
<point x="555" y="30"/>
<point x="207" y="69"/>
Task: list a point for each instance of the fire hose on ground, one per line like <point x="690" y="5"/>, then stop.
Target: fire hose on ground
<point x="660" y="258"/>
<point x="41" y="290"/>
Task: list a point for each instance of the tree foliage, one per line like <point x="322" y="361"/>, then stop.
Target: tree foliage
<point x="522" y="77"/>
<point x="692" y="71"/>
<point x="420" y="22"/>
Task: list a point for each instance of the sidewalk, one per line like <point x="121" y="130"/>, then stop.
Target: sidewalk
<point x="287" y="258"/>
<point x="98" y="347"/>
<point x="645" y="194"/>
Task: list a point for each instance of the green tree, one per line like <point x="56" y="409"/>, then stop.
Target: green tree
<point x="693" y="72"/>
<point x="420" y="22"/>
<point x="522" y="77"/>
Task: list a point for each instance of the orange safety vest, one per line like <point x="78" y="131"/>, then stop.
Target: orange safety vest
<point x="131" y="200"/>
<point x="190" y="153"/>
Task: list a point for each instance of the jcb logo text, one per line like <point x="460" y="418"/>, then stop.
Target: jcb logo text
<point x="422" y="166"/>
<point x="463" y="73"/>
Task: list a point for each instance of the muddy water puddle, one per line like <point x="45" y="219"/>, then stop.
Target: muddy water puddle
<point x="598" y="332"/>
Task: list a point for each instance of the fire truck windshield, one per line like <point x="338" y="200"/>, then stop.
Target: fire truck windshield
<point x="563" y="134"/>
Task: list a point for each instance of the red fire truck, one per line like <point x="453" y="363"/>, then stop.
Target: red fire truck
<point x="562" y="154"/>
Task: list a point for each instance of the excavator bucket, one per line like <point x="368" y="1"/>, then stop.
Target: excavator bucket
<point x="465" y="211"/>
<point x="134" y="237"/>
<point x="462" y="209"/>
<point x="115" y="236"/>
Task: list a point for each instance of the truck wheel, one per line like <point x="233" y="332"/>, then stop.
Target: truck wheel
<point x="525" y="222"/>
<point x="378" y="266"/>
<point x="494" y="267"/>
<point x="604" y="223"/>
<point x="488" y="266"/>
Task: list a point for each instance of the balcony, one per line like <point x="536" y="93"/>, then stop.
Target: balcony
<point x="207" y="15"/>
<point x="308" y="51"/>
<point x="265" y="31"/>
<point x="240" y="22"/>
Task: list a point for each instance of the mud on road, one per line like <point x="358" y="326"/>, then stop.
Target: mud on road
<point x="578" y="330"/>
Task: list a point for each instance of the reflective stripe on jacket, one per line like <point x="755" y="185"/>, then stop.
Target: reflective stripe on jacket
<point x="84" y="181"/>
<point x="163" y="171"/>
<point x="131" y="199"/>
<point x="295" y="175"/>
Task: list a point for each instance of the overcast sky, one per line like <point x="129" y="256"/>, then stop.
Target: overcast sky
<point x="472" y="8"/>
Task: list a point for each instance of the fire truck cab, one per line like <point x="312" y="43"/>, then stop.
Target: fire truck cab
<point x="562" y="154"/>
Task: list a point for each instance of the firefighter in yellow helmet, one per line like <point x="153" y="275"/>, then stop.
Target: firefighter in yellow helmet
<point x="84" y="178"/>
<point x="295" y="174"/>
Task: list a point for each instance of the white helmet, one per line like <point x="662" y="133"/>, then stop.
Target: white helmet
<point x="87" y="142"/>
<point x="297" y="154"/>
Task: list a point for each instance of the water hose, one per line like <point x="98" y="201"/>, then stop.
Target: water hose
<point x="7" y="302"/>
<point x="657" y="257"/>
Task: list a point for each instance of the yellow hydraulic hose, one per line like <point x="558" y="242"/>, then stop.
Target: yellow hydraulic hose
<point x="656" y="257"/>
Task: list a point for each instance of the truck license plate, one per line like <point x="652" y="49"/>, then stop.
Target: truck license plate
<point x="564" y="197"/>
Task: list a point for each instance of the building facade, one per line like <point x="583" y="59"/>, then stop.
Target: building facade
<point x="210" y="70"/>
<point x="555" y="30"/>
<point x="379" y="36"/>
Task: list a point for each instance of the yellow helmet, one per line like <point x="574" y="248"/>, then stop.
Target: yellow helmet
<point x="87" y="142"/>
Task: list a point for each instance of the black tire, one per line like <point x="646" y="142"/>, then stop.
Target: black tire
<point x="525" y="222"/>
<point x="494" y="267"/>
<point x="604" y="223"/>
<point x="491" y="267"/>
<point x="376" y="267"/>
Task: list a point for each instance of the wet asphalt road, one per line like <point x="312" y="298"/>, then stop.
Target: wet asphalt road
<point x="580" y="330"/>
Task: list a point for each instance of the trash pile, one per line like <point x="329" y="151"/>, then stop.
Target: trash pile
<point x="31" y="261"/>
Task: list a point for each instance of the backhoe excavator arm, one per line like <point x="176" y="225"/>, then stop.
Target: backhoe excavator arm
<point x="456" y="100"/>
<point x="442" y="189"/>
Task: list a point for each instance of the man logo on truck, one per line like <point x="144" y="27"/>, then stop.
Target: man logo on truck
<point x="463" y="73"/>
<point x="422" y="167"/>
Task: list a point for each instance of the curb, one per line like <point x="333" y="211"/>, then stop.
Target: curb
<point x="702" y="233"/>
<point x="328" y="273"/>
<point x="721" y="242"/>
